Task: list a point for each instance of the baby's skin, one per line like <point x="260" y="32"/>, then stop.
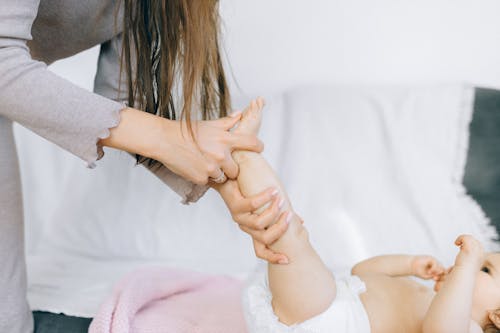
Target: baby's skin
<point x="465" y="299"/>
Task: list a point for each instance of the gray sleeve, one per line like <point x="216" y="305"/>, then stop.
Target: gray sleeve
<point x="71" y="117"/>
<point x="110" y="83"/>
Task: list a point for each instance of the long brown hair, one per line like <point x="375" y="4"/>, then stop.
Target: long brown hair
<point x="171" y="45"/>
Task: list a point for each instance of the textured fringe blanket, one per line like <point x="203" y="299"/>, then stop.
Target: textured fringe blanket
<point x="160" y="300"/>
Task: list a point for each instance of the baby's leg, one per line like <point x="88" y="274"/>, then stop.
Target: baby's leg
<point x="305" y="287"/>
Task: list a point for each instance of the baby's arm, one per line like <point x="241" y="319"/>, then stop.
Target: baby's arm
<point x="303" y="288"/>
<point x="424" y="267"/>
<point x="451" y="308"/>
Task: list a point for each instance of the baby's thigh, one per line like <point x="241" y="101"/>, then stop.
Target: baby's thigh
<point x="345" y="312"/>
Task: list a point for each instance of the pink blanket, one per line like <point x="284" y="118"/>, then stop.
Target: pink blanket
<point x="160" y="300"/>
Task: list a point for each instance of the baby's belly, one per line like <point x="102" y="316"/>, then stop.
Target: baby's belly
<point x="395" y="305"/>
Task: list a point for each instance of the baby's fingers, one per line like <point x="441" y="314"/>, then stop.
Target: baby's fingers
<point x="436" y="269"/>
<point x="438" y="277"/>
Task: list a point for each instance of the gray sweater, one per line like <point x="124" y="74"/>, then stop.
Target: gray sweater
<point x="50" y="106"/>
<point x="34" y="33"/>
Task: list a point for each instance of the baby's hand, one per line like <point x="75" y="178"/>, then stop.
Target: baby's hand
<point x="426" y="267"/>
<point x="471" y="251"/>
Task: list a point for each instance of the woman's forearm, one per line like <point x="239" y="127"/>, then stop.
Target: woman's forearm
<point x="138" y="132"/>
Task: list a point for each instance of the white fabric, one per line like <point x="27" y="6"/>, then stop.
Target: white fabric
<point x="279" y="44"/>
<point x="378" y="170"/>
<point x="345" y="315"/>
<point x="371" y="170"/>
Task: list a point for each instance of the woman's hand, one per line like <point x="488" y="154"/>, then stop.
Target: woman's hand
<point x="259" y="226"/>
<point x="204" y="158"/>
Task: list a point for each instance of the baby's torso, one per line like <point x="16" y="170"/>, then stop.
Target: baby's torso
<point x="395" y="305"/>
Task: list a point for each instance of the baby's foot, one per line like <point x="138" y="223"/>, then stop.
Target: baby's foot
<point x="251" y="118"/>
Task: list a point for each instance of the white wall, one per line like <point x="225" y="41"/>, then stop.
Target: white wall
<point x="275" y="44"/>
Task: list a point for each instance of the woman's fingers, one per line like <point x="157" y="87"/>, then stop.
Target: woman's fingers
<point x="200" y="173"/>
<point x="242" y="208"/>
<point x="269" y="215"/>
<point x="251" y="204"/>
<point x="262" y="220"/>
<point x="236" y="114"/>
<point x="230" y="192"/>
<point x="230" y="167"/>
<point x="273" y="233"/>
<point x="238" y="141"/>
<point x="263" y="252"/>
<point x="212" y="153"/>
<point x="212" y="169"/>
<point x="227" y="123"/>
<point x="238" y="204"/>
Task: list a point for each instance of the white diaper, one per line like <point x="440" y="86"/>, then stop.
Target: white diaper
<point x="346" y="314"/>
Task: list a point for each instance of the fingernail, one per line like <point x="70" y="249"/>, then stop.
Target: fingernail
<point x="281" y="203"/>
<point x="275" y="192"/>
<point x="283" y="261"/>
<point x="289" y="218"/>
<point x="235" y="114"/>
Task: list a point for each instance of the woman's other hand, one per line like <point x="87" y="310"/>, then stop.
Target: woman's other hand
<point x="210" y="153"/>
<point x="261" y="227"/>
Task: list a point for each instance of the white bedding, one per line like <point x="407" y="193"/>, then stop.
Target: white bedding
<point x="371" y="170"/>
<point x="379" y="170"/>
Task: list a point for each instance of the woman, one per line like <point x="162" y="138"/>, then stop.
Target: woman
<point x="168" y="46"/>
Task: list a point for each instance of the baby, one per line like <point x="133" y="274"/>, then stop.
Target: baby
<point x="378" y="296"/>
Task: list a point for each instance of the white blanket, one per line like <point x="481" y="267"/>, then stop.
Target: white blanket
<point x="371" y="170"/>
<point x="379" y="170"/>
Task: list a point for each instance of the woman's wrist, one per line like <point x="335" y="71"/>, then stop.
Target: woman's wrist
<point x="161" y="136"/>
<point x="139" y="133"/>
